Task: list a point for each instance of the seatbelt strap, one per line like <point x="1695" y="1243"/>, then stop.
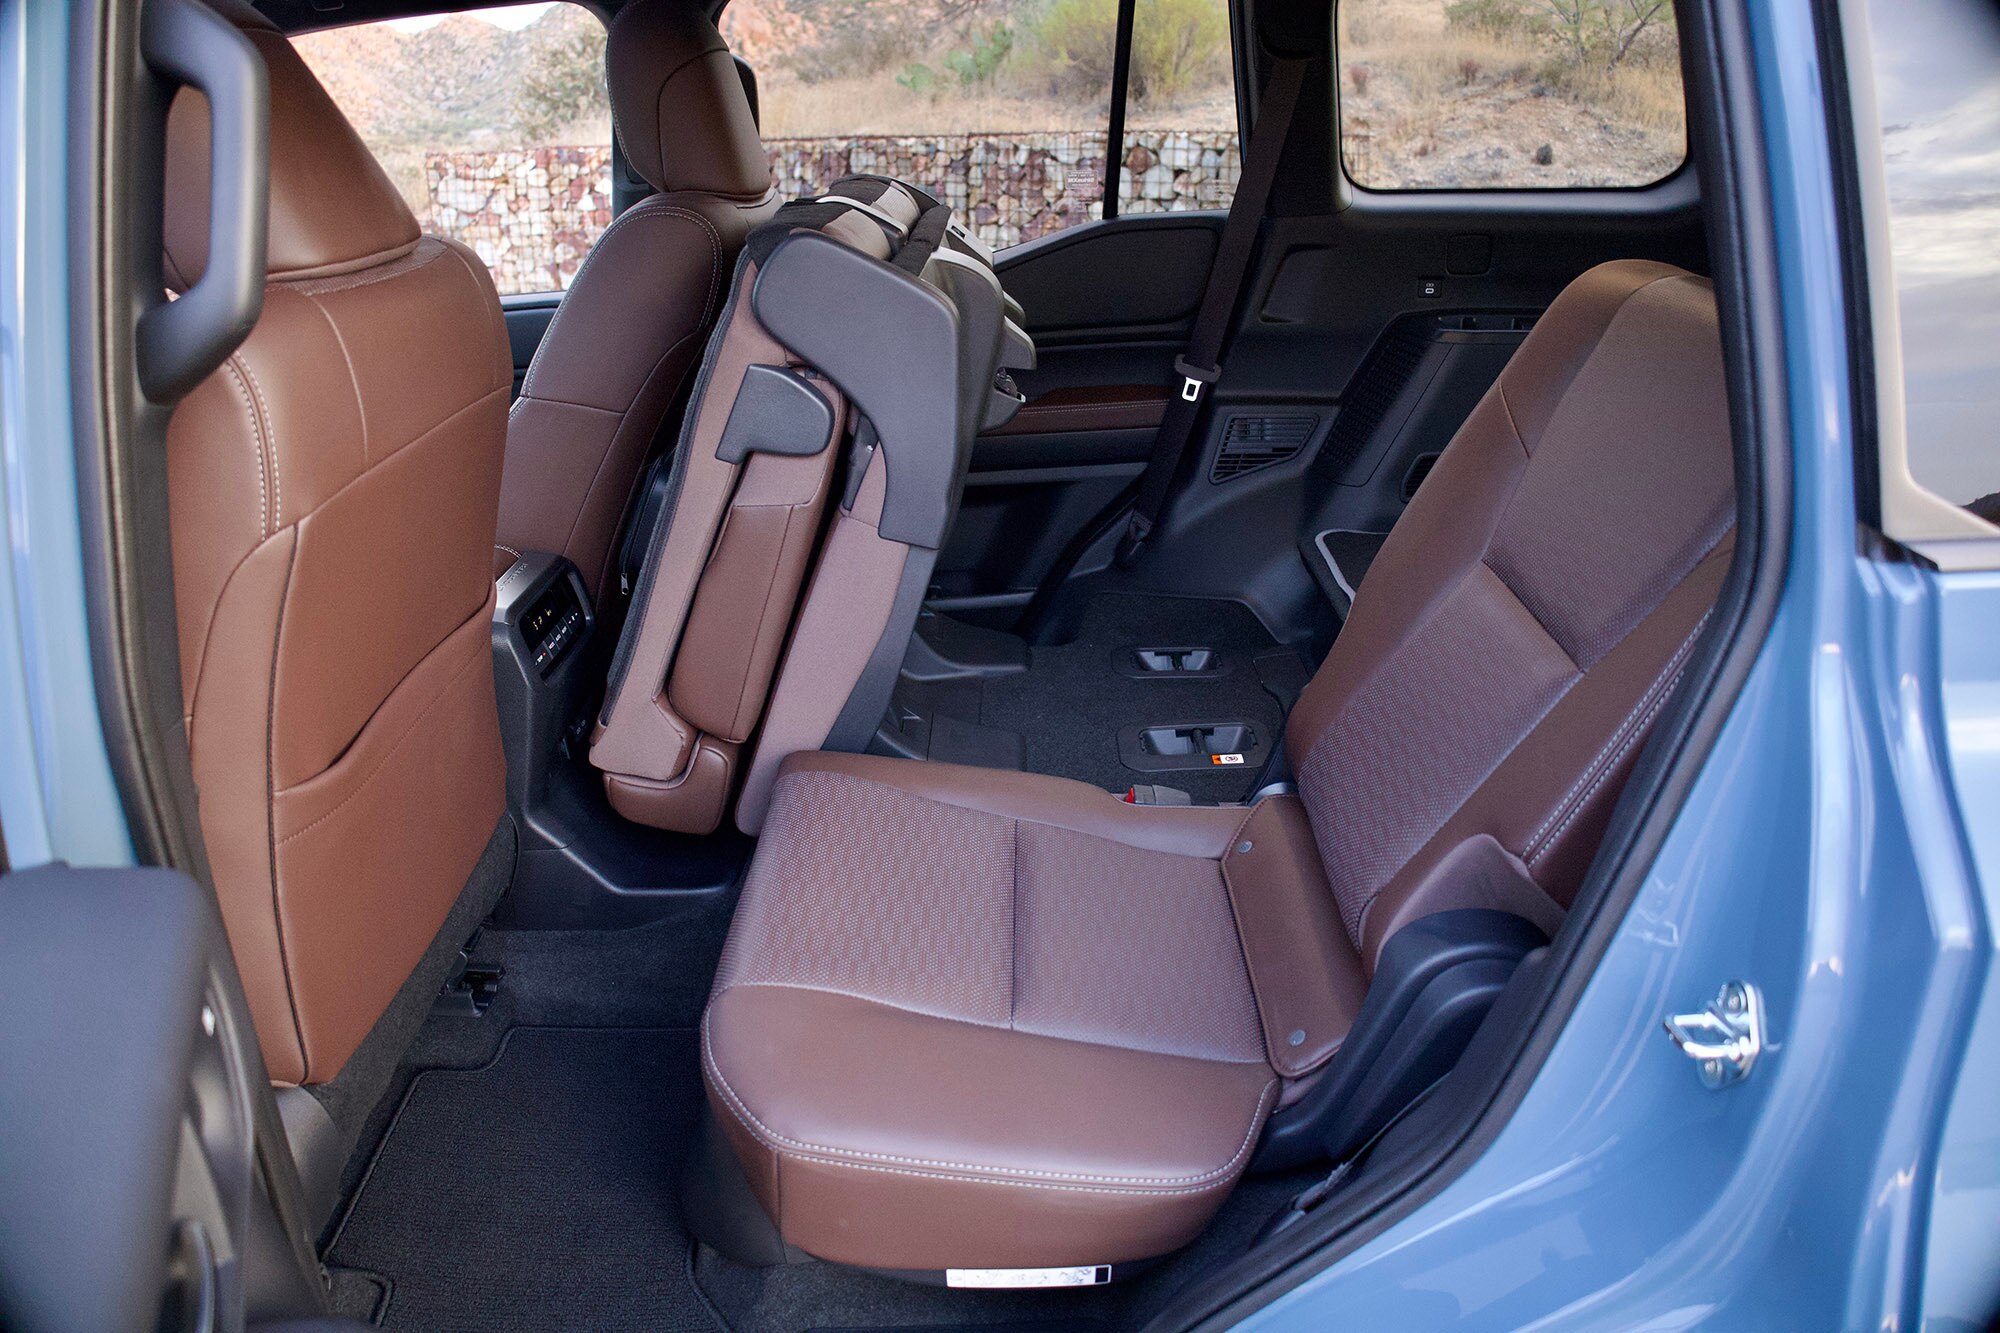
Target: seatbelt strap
<point x="1200" y="366"/>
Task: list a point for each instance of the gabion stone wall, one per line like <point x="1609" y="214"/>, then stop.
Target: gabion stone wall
<point x="532" y="214"/>
<point x="1009" y="189"/>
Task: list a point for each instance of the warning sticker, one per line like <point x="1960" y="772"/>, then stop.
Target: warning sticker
<point x="1225" y="759"/>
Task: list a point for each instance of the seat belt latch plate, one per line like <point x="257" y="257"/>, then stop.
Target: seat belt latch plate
<point x="1194" y="378"/>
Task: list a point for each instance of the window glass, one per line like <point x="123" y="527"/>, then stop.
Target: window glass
<point x="1509" y="94"/>
<point x="1939" y="103"/>
<point x="494" y="123"/>
<point x="1001" y="106"/>
<point x="1181" y="146"/>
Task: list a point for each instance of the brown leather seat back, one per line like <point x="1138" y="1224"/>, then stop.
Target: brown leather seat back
<point x="631" y="328"/>
<point x="333" y="490"/>
<point x="1526" y="620"/>
<point x="750" y="488"/>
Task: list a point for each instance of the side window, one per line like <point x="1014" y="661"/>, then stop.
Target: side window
<point x="493" y="122"/>
<point x="1509" y="94"/>
<point x="1939" y="119"/>
<point x="1181" y="147"/>
<point x="1002" y="105"/>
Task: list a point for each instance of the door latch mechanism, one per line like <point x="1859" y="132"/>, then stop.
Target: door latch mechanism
<point x="1725" y="1039"/>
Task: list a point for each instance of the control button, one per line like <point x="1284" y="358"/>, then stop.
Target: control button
<point x="1431" y="288"/>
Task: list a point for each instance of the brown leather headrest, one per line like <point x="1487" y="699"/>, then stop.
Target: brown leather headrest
<point x="678" y="103"/>
<point x="333" y="209"/>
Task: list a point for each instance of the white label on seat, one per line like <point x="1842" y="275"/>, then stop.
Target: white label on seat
<point x="1089" y="1276"/>
<point x="1225" y="759"/>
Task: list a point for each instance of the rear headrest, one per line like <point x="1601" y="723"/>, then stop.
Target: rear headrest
<point x="333" y="209"/>
<point x="678" y="103"/>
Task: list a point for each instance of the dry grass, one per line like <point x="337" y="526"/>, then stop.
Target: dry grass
<point x="1428" y="104"/>
<point x="877" y="105"/>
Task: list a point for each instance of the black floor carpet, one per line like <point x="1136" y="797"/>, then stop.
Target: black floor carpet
<point x="827" y="1298"/>
<point x="1073" y="701"/>
<point x="537" y="1191"/>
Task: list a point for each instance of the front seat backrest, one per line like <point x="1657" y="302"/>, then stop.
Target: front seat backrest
<point x="333" y="489"/>
<point x="631" y="327"/>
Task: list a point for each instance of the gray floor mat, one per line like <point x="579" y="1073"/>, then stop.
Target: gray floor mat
<point x="537" y="1191"/>
<point x="1072" y="702"/>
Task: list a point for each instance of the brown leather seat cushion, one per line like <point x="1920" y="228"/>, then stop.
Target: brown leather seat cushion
<point x="976" y="1018"/>
<point x="994" y="1020"/>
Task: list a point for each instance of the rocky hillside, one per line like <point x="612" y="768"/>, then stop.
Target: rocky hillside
<point x="465" y="85"/>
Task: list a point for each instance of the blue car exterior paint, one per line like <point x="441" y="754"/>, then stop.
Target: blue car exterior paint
<point x="1832" y="852"/>
<point x="1962" y="1273"/>
<point x="57" y="797"/>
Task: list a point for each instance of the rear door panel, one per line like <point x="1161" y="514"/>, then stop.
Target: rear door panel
<point x="1111" y="304"/>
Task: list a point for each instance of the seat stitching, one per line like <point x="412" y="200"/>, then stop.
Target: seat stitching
<point x="1659" y="702"/>
<point x="353" y="376"/>
<point x="773" y="1139"/>
<point x="1592" y="771"/>
<point x="270" y="434"/>
<point x="257" y="438"/>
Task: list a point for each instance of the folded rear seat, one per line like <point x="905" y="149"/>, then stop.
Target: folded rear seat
<point x="980" y="1020"/>
<point x="854" y="363"/>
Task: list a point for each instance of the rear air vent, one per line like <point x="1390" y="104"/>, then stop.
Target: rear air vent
<point x="1253" y="442"/>
<point x="1369" y="400"/>
<point x="1415" y="476"/>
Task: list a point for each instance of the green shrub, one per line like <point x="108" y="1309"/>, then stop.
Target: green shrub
<point x="978" y="64"/>
<point x="1178" y="47"/>
<point x="564" y="77"/>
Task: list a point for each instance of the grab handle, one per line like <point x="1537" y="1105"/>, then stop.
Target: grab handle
<point x="180" y="342"/>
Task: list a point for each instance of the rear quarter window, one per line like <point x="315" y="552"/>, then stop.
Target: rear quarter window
<point x="1001" y="106"/>
<point x="494" y="123"/>
<point x="1509" y="94"/>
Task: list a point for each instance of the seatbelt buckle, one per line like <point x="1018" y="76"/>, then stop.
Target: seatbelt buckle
<point x="1194" y="378"/>
<point x="1137" y="529"/>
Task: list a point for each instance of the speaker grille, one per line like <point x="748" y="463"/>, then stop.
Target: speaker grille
<point x="1253" y="442"/>
<point x="1373" y="394"/>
